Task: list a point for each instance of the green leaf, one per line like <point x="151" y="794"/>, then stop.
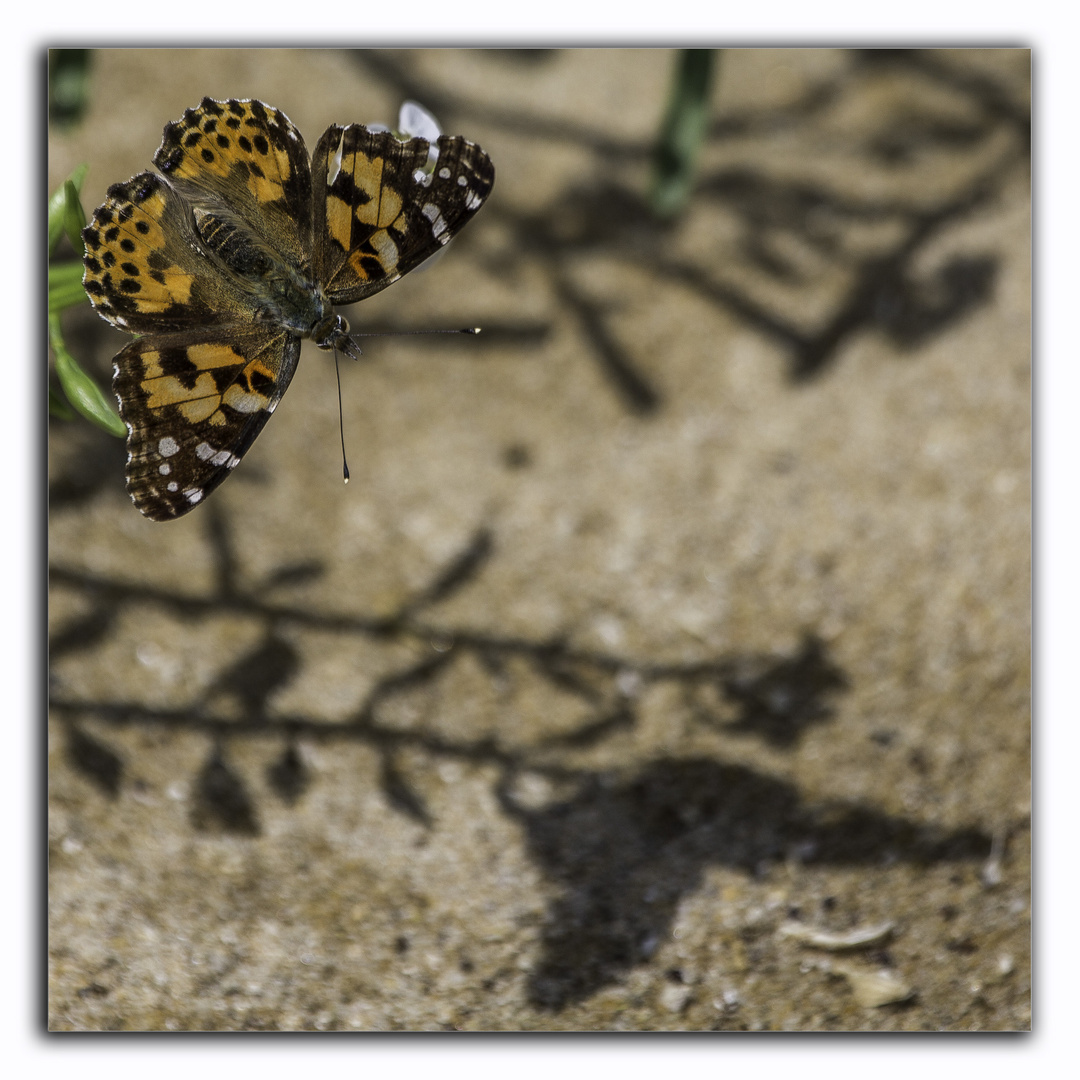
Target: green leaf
<point x="58" y="407"/>
<point x="682" y="132"/>
<point x="80" y="389"/>
<point x="65" y="208"/>
<point x="66" y="290"/>
<point x="75" y="217"/>
<point x="65" y="286"/>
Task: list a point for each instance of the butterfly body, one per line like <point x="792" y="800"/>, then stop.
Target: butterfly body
<point x="241" y="248"/>
<point x="282" y="294"/>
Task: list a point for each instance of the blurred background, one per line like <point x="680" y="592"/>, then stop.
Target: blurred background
<point x="666" y="662"/>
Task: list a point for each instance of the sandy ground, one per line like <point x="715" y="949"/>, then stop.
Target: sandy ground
<point x="670" y="635"/>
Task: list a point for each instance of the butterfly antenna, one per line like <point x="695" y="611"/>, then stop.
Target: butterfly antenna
<point x="353" y="350"/>
<point x="341" y="417"/>
<point x="403" y="333"/>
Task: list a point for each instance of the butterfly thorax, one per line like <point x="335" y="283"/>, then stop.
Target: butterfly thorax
<point x="284" y="294"/>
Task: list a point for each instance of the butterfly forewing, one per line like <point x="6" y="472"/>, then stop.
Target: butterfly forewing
<point x="143" y="268"/>
<point x="379" y="213"/>
<point x="247" y="158"/>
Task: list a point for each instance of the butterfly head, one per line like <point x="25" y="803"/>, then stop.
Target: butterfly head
<point x="332" y="332"/>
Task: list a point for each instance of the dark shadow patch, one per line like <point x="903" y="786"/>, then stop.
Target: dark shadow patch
<point x="625" y="852"/>
<point x="564" y="670"/>
<point x="913" y="312"/>
<point x="289" y="777"/>
<point x="620" y="719"/>
<point x="83" y="633"/>
<point x="400" y="794"/>
<point x="366" y="721"/>
<point x="461" y="571"/>
<point x="991" y="95"/>
<point x="633" y="387"/>
<point x="517" y="456"/>
<point x="300" y="573"/>
<point x="95" y="760"/>
<point x="89" y="463"/>
<point x="221" y="802"/>
<point x="258" y="675"/>
<point x="781" y="700"/>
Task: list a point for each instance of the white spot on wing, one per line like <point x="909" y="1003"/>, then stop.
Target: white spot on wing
<point x="387" y="249"/>
<point x="168" y="446"/>
<point x="216" y="457"/>
<point x="444" y="173"/>
<point x="438" y="225"/>
<point x="193" y="495"/>
<point x="246" y="403"/>
<point x="472" y="200"/>
<point x="334" y="165"/>
<point x="165" y="469"/>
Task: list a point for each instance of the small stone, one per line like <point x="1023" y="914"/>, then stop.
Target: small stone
<point x="675" y="997"/>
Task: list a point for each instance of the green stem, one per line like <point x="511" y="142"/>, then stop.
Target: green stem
<point x="682" y="132"/>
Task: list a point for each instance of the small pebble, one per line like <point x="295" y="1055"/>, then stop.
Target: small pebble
<point x="873" y="989"/>
<point x="675" y="997"/>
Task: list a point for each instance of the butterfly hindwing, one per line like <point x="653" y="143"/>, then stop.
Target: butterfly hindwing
<point x="379" y="211"/>
<point x="194" y="403"/>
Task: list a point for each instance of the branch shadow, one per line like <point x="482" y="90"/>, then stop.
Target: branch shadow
<point x="772" y="213"/>
<point x="777" y="699"/>
<point x="622" y="852"/>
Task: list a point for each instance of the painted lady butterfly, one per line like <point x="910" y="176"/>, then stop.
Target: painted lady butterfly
<point x="241" y="248"/>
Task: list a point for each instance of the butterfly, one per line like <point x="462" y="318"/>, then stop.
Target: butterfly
<point x="235" y="251"/>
